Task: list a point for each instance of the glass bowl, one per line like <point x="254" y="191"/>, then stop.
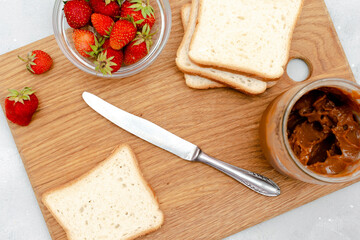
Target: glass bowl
<point x="63" y="33"/>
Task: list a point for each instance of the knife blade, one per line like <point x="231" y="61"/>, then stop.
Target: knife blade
<point x="162" y="138"/>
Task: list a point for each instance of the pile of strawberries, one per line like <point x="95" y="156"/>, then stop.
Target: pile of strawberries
<point x="120" y="35"/>
<point x="121" y="31"/>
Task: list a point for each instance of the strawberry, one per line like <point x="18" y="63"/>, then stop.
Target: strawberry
<point x="83" y="40"/>
<point x="103" y="24"/>
<point x="100" y="45"/>
<point x="20" y="106"/>
<point x="109" y="8"/>
<point x="140" y="10"/>
<point x="106" y="44"/>
<point x="122" y="33"/>
<point x="77" y="13"/>
<point x="109" y="61"/>
<point x="139" y="47"/>
<point x="37" y="61"/>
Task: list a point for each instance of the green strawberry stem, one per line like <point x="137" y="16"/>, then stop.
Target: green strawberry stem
<point x="97" y="48"/>
<point x="145" y="8"/>
<point x="109" y="1"/>
<point x="120" y="2"/>
<point x="108" y="32"/>
<point x="144" y="36"/>
<point x="131" y="19"/>
<point x="17" y="96"/>
<point x="104" y="64"/>
<point x="29" y="60"/>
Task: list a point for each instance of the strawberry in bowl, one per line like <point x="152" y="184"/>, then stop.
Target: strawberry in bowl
<point x="139" y="47"/>
<point x="109" y="8"/>
<point x="113" y="32"/>
<point x="77" y="13"/>
<point x="140" y="10"/>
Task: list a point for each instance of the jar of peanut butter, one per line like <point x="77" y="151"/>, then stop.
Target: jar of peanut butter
<point x="312" y="132"/>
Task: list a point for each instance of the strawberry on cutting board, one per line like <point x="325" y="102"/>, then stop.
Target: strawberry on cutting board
<point x="109" y="8"/>
<point x="140" y="10"/>
<point x="103" y="24"/>
<point x="20" y="106"/>
<point x="37" y="61"/>
<point x="77" y="13"/>
<point x="109" y="61"/>
<point x="83" y="40"/>
<point x="139" y="47"/>
<point x="122" y="33"/>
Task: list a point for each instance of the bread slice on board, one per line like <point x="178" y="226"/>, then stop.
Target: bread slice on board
<point x="195" y="81"/>
<point x="252" y="37"/>
<point x="111" y="201"/>
<point x="185" y="15"/>
<point x="239" y="82"/>
<point x="198" y="82"/>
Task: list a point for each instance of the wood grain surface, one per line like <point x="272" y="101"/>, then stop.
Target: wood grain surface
<point x="66" y="138"/>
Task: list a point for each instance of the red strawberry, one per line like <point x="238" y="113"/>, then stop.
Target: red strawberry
<point x="122" y="33"/>
<point x="20" y="106"/>
<point x="140" y="10"/>
<point x="102" y="24"/>
<point x="77" y="13"/>
<point x="109" y="61"/>
<point x="139" y="47"/>
<point x="106" y="44"/>
<point x="37" y="61"/>
<point x="100" y="45"/>
<point x="109" y="8"/>
<point x="83" y="40"/>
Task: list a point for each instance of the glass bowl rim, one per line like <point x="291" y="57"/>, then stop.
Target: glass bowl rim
<point x="74" y="58"/>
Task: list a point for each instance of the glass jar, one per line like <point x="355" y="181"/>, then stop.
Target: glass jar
<point x="274" y="136"/>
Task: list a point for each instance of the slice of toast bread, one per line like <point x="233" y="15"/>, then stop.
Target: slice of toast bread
<point x="195" y="81"/>
<point x="236" y="81"/>
<point x="111" y="201"/>
<point x="250" y="37"/>
<point x="198" y="82"/>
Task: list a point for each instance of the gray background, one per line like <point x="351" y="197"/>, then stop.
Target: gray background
<point x="334" y="217"/>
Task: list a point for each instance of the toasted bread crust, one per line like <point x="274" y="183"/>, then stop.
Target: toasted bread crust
<point x="184" y="19"/>
<point x="193" y="81"/>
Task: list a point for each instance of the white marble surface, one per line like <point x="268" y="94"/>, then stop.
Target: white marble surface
<point x="334" y="217"/>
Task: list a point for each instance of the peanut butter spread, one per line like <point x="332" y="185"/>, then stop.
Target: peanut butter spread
<point x="324" y="131"/>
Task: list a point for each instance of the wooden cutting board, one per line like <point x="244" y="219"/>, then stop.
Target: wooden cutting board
<point x="66" y="138"/>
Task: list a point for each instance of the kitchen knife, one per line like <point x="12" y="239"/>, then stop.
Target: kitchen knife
<point x="162" y="138"/>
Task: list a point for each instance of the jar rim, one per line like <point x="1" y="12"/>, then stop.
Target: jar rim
<point x="326" y="82"/>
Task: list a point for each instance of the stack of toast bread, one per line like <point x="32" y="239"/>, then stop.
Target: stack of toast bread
<point x="242" y="44"/>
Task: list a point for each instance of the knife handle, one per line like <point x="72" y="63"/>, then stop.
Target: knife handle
<point x="254" y="181"/>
